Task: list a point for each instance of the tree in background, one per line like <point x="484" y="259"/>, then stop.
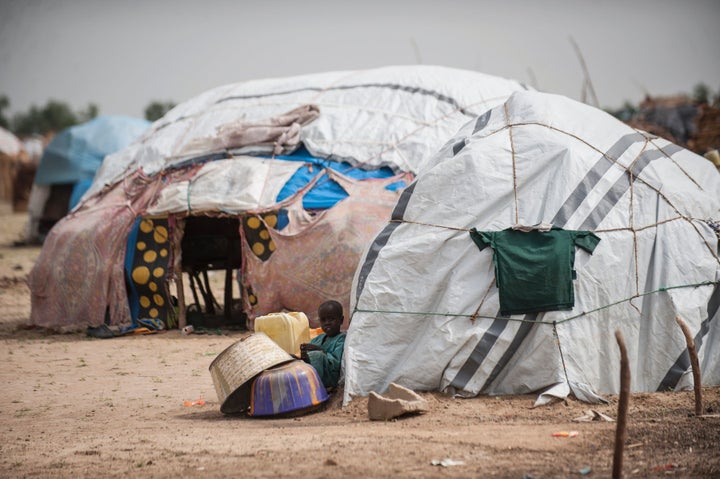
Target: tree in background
<point x="4" y="103"/>
<point x="701" y="93"/>
<point x="626" y="112"/>
<point x="157" y="109"/>
<point x="54" y="116"/>
<point x="88" y="113"/>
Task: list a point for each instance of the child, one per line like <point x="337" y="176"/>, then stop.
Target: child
<point x="324" y="351"/>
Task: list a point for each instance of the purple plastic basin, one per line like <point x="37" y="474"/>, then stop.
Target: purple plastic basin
<point x="292" y="387"/>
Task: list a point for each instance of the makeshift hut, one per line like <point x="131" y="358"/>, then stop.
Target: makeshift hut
<point x="14" y="161"/>
<point x="467" y="291"/>
<point x="282" y="182"/>
<point x="68" y="165"/>
<point x="33" y="146"/>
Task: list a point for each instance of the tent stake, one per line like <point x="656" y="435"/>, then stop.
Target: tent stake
<point x="694" y="363"/>
<point x="620" y="429"/>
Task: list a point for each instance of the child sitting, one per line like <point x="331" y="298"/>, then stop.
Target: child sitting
<point x="324" y="351"/>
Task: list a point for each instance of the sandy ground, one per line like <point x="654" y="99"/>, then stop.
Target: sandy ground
<point x="79" y="407"/>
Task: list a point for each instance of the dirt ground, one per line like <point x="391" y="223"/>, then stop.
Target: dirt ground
<point x="80" y="407"/>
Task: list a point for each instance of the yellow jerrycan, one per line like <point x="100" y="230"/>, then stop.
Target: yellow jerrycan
<point x="288" y="329"/>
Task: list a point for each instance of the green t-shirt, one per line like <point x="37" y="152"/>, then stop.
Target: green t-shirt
<point x="534" y="270"/>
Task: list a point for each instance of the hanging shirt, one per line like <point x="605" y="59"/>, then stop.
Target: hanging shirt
<point x="534" y="270"/>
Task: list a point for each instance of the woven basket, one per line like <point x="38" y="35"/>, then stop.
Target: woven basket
<point x="235" y="368"/>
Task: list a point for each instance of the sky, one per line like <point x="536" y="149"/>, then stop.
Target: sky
<point x="124" y="54"/>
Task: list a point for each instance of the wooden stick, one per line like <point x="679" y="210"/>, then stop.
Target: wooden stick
<point x="587" y="84"/>
<point x="182" y="312"/>
<point x="694" y="362"/>
<point x="620" y="429"/>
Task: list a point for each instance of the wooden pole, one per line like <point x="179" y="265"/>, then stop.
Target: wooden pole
<point x="228" y="294"/>
<point x="694" y="362"/>
<point x="182" y="313"/>
<point x="620" y="429"/>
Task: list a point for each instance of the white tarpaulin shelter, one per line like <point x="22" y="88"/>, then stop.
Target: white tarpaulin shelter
<point x="9" y="143"/>
<point x="379" y="117"/>
<point x="13" y="160"/>
<point x="230" y="154"/>
<point x="426" y="306"/>
<point x="10" y="148"/>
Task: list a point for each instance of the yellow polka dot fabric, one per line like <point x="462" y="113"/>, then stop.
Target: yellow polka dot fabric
<point x="141" y="274"/>
<point x="258" y="236"/>
<point x="149" y="269"/>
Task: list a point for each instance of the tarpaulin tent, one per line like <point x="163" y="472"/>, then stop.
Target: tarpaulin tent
<point x="11" y="149"/>
<point x="69" y="163"/>
<point x="76" y="153"/>
<point x="10" y="145"/>
<point x="467" y="291"/>
<point x="215" y="163"/>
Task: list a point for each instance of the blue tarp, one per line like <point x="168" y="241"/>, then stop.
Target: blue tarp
<point x="326" y="192"/>
<point x="133" y="296"/>
<point x="78" y="191"/>
<point x="76" y="153"/>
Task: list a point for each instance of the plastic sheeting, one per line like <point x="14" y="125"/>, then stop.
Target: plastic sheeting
<point x="9" y="143"/>
<point x="393" y="116"/>
<point x="245" y="183"/>
<point x="231" y="186"/>
<point x="326" y="192"/>
<point x="10" y="159"/>
<point x="76" y="153"/>
<point x="425" y="302"/>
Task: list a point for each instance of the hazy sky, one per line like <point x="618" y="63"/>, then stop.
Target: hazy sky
<point x="124" y="54"/>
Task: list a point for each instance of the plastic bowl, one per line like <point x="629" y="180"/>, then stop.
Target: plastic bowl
<point x="294" y="387"/>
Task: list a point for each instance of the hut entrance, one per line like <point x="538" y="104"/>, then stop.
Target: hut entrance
<point x="212" y="244"/>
